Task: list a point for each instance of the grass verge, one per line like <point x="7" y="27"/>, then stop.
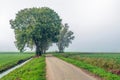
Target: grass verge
<point x="93" y="69"/>
<point x="33" y="70"/>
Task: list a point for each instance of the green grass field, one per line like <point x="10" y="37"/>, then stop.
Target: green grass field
<point x="33" y="70"/>
<point x="9" y="59"/>
<point x="107" y="61"/>
<point x="105" y="65"/>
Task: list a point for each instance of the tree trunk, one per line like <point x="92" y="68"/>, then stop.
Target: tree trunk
<point x="43" y="51"/>
<point x="61" y="50"/>
<point x="38" y="51"/>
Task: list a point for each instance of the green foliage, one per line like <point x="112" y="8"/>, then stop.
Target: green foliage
<point x="94" y="69"/>
<point x="33" y="70"/>
<point x="10" y="59"/>
<point x="37" y="27"/>
<point x="65" y="38"/>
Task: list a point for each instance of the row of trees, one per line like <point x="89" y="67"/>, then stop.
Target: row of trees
<point x="39" y="28"/>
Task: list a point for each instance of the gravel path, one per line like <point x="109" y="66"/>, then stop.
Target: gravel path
<point x="60" y="70"/>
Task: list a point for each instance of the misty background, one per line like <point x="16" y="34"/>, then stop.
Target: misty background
<point x="95" y="23"/>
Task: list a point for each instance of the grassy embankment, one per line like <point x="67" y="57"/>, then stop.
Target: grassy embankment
<point x="99" y="64"/>
<point x="9" y="59"/>
<point x="33" y="70"/>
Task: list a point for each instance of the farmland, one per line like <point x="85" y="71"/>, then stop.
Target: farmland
<point x="109" y="60"/>
<point x="104" y="65"/>
<point x="9" y="59"/>
<point x="33" y="70"/>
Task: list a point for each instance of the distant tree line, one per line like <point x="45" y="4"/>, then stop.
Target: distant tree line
<point x="39" y="28"/>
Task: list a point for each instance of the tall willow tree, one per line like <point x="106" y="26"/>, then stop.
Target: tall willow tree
<point x="36" y="27"/>
<point x="65" y="38"/>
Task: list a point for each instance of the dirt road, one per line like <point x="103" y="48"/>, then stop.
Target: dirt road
<point x="60" y="70"/>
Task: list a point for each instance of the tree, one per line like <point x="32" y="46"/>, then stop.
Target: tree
<point x="65" y="38"/>
<point x="46" y="46"/>
<point x="36" y="28"/>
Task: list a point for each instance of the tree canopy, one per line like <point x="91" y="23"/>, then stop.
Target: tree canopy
<point x="36" y="28"/>
<point x="65" y="38"/>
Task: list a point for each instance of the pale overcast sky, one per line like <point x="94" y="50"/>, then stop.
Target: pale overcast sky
<point x="95" y="23"/>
